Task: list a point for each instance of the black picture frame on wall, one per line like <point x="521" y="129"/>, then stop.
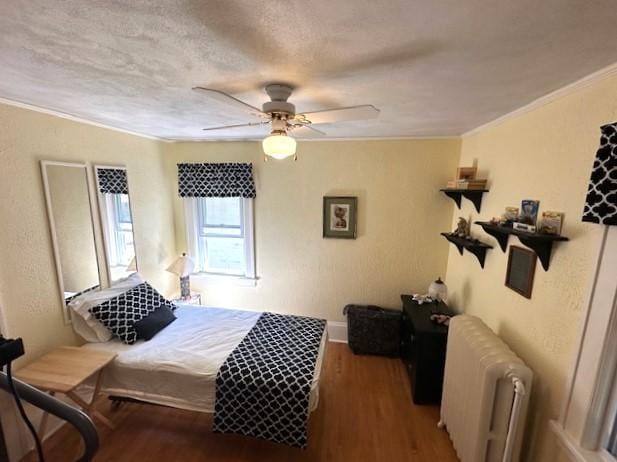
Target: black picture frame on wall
<point x="521" y="270"/>
<point x="340" y="217"/>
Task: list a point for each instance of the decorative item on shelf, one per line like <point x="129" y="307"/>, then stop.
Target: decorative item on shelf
<point x="183" y="267"/>
<point x="551" y="223"/>
<point x="462" y="228"/>
<point x="510" y="215"/>
<point x="466" y="173"/>
<point x="520" y="270"/>
<point x="466" y="185"/>
<point x="466" y="179"/>
<point x="340" y="217"/>
<point x="438" y="290"/>
<point x="524" y="227"/>
<point x="529" y="212"/>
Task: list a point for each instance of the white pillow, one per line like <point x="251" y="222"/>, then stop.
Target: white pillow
<point x="84" y="323"/>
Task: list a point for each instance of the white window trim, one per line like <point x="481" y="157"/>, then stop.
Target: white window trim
<point x="249" y="279"/>
<point x="583" y="419"/>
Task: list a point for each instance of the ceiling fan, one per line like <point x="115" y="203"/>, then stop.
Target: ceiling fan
<point x="282" y="117"/>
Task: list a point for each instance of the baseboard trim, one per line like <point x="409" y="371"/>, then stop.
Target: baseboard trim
<point x="337" y="331"/>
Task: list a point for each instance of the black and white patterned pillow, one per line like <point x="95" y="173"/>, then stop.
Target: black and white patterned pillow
<point x="119" y="314"/>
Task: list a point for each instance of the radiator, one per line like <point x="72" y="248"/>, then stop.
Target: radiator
<point x="485" y="393"/>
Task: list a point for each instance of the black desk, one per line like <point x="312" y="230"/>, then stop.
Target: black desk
<point x="424" y="349"/>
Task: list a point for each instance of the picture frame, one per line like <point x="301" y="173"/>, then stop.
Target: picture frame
<point x="340" y="217"/>
<point x="521" y="270"/>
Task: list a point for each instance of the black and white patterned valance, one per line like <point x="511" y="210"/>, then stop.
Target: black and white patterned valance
<point x="112" y="180"/>
<point x="601" y="201"/>
<point x="216" y="180"/>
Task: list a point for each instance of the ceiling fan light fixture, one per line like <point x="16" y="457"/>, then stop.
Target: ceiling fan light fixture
<point x="279" y="145"/>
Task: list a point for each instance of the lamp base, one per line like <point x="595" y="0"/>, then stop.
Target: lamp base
<point x="185" y="287"/>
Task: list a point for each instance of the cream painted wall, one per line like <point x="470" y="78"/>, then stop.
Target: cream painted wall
<point x="29" y="294"/>
<point x="401" y="213"/>
<point x="545" y="154"/>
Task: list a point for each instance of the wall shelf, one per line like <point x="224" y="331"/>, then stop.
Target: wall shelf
<point x="477" y="248"/>
<point x="473" y="195"/>
<point x="541" y="244"/>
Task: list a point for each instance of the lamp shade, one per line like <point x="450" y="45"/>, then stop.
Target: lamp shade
<point x="182" y="266"/>
<point x="438" y="290"/>
<point x="279" y="146"/>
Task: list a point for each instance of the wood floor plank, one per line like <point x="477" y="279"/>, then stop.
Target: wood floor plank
<point x="365" y="414"/>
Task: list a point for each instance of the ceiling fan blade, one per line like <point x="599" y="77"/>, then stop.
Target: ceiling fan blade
<point x="230" y="100"/>
<point x="226" y="127"/>
<point x="305" y="131"/>
<point x="327" y="116"/>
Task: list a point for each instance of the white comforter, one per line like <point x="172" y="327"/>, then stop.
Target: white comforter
<point x="178" y="366"/>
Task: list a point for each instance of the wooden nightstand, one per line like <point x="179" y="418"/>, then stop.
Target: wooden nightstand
<point x="423" y="349"/>
<point x="64" y="369"/>
<point x="195" y="299"/>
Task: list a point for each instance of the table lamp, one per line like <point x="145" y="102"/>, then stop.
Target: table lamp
<point x="183" y="267"/>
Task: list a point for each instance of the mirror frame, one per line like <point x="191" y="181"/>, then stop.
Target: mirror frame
<point x="52" y="225"/>
<point x="101" y="218"/>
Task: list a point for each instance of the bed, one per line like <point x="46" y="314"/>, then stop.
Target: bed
<point x="179" y="366"/>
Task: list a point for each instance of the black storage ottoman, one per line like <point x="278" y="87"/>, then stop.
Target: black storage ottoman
<point x="373" y="330"/>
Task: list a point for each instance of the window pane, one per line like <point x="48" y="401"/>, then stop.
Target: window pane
<point x="123" y="208"/>
<point x="222" y="211"/>
<point x="225" y="255"/>
<point x="221" y="231"/>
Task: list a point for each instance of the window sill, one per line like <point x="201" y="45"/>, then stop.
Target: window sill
<point x="222" y="279"/>
<point x="573" y="451"/>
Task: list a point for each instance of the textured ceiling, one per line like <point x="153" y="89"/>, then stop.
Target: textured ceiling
<point x="432" y="67"/>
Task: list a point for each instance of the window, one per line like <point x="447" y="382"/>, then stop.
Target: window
<point x="587" y="427"/>
<point x="220" y="235"/>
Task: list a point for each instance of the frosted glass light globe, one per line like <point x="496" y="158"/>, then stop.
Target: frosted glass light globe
<point x="279" y="146"/>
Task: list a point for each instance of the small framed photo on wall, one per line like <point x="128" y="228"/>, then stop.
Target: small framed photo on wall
<point x="340" y="217"/>
<point x="520" y="271"/>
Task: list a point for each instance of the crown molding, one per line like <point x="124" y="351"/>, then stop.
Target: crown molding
<point x="562" y="92"/>
<point x="64" y="115"/>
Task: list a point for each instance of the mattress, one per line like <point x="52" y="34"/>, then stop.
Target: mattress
<point x="178" y="367"/>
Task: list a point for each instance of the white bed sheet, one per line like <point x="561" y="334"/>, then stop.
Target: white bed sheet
<point x="178" y="366"/>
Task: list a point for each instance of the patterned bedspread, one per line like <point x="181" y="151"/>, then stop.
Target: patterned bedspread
<point x="263" y="387"/>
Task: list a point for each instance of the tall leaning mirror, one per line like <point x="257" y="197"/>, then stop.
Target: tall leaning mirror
<point x="117" y="220"/>
<point x="72" y="228"/>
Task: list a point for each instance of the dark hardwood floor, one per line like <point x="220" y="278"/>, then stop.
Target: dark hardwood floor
<point x="365" y="414"/>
